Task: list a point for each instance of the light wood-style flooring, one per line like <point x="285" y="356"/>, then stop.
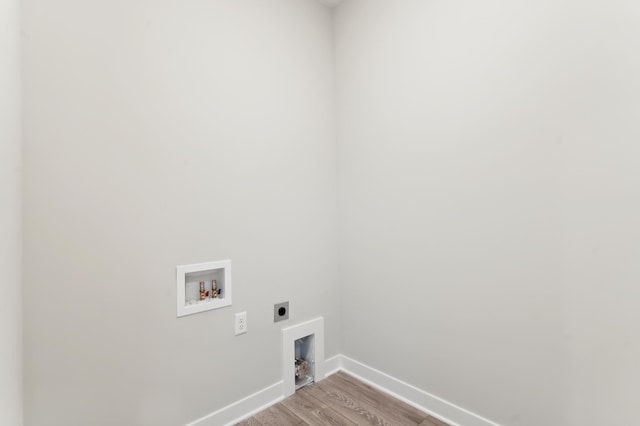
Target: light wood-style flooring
<point x="339" y="400"/>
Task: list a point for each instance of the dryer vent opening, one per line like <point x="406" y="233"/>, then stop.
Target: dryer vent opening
<point x="304" y="361"/>
<point x="302" y="355"/>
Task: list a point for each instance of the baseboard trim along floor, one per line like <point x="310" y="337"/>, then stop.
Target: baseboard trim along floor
<point x="431" y="404"/>
<point x="422" y="400"/>
<point x="244" y="408"/>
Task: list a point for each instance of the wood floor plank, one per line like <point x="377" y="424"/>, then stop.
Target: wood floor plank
<point x="432" y="421"/>
<point x="375" y="405"/>
<point x="278" y="415"/>
<point x="396" y="409"/>
<point x="249" y="422"/>
<point x="341" y="400"/>
<point x="356" y="411"/>
<point x="314" y="412"/>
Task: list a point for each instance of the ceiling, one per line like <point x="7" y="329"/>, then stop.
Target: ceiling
<point x="331" y="3"/>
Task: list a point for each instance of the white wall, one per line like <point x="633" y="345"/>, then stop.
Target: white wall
<point x="488" y="190"/>
<point x="10" y="223"/>
<point x="489" y="181"/>
<point x="601" y="203"/>
<point x="161" y="133"/>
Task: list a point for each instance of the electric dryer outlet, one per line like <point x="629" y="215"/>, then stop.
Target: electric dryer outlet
<point x="281" y="311"/>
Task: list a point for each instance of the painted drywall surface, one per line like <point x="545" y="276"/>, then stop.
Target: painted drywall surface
<point x="161" y="133"/>
<point x="10" y="228"/>
<point x="488" y="164"/>
<point x="601" y="207"/>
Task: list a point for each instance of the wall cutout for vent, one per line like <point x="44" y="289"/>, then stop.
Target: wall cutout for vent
<point x="303" y="355"/>
<point x="305" y="360"/>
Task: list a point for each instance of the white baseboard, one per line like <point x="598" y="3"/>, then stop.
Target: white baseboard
<point x="246" y="407"/>
<point x="332" y="365"/>
<point x="437" y="407"/>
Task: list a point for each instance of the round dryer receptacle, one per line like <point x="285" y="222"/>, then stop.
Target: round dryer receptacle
<point x="280" y="311"/>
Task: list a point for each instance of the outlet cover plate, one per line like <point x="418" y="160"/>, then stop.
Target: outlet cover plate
<point x="241" y="323"/>
<point x="280" y="311"/>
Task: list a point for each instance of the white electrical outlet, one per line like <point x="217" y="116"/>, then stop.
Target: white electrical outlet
<point x="241" y="323"/>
